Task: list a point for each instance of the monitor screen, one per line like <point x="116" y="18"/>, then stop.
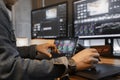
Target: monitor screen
<point x="51" y="13"/>
<point x="96" y="18"/>
<point x="66" y="46"/>
<point x="50" y="21"/>
<point x="98" y="7"/>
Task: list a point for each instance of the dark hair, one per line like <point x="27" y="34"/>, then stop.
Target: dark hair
<point x="9" y="7"/>
<point x="9" y="3"/>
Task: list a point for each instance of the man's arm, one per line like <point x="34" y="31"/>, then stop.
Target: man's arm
<point x="27" y="51"/>
<point x="13" y="67"/>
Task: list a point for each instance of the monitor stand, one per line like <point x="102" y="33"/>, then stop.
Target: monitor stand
<point x="110" y="42"/>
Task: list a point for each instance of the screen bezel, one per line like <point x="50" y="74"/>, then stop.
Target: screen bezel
<point x="48" y="7"/>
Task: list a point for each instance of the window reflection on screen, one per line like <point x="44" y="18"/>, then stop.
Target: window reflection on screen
<point x="51" y="13"/>
<point x="98" y="7"/>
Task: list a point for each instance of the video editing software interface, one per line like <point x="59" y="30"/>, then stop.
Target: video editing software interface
<point x="50" y="22"/>
<point x="96" y="18"/>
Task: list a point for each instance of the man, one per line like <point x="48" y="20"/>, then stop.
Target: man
<point x="15" y="66"/>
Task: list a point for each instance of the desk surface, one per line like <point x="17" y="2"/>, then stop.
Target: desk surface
<point x="112" y="61"/>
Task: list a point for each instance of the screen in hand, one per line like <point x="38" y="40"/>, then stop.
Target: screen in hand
<point x="66" y="46"/>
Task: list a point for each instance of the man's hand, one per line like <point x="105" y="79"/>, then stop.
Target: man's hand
<point x="44" y="49"/>
<point x="86" y="58"/>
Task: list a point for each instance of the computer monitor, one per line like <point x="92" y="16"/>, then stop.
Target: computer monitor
<point x="96" y="18"/>
<point x="50" y="21"/>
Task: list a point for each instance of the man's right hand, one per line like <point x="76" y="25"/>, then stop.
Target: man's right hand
<point x="43" y="49"/>
<point x="86" y="58"/>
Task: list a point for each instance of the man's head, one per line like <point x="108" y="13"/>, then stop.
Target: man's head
<point x="9" y="3"/>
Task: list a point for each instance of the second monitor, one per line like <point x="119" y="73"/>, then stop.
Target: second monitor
<point x="96" y="18"/>
<point x="50" y="21"/>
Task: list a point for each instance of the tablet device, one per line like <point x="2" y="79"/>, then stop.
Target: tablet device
<point x="66" y="46"/>
<point x="102" y="72"/>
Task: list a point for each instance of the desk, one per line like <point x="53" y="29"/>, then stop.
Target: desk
<point x="112" y="61"/>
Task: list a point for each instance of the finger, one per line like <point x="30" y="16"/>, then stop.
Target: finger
<point x="52" y="45"/>
<point x="96" y="55"/>
<point x="56" y="51"/>
<point x="54" y="48"/>
<point x="47" y="53"/>
<point x="94" y="61"/>
<point x="94" y="50"/>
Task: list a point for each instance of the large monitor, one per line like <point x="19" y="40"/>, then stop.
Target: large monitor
<point x="96" y="18"/>
<point x="50" y="21"/>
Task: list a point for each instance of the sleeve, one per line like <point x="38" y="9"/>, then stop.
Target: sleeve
<point x="13" y="67"/>
<point x="27" y="51"/>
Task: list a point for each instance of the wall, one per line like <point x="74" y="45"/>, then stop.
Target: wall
<point x="22" y="18"/>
